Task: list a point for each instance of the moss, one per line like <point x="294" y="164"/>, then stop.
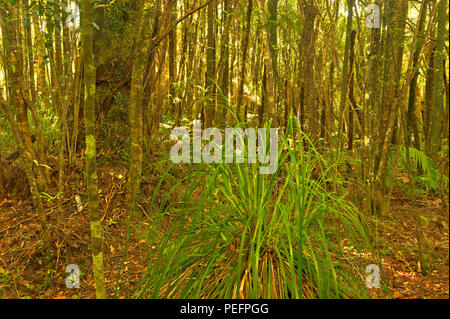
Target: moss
<point x="90" y="147"/>
<point x="117" y="24"/>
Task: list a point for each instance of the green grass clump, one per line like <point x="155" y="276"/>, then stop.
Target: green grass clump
<point x="225" y="231"/>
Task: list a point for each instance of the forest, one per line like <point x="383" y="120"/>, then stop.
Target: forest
<point x="224" y="149"/>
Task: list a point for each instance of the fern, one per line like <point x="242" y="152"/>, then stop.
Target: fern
<point x="431" y="179"/>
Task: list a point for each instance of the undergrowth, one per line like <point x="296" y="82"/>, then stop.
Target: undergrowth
<point x="233" y="233"/>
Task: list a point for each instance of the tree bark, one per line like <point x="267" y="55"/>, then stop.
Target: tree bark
<point x="91" y="153"/>
<point x="269" y="110"/>
<point x="438" y="88"/>
<point x="242" y="112"/>
<point x="210" y="104"/>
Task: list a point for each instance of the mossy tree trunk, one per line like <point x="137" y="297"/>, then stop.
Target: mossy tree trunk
<point x="396" y="14"/>
<point x="136" y="95"/>
<point x="91" y="165"/>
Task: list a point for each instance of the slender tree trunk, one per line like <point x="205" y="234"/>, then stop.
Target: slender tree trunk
<point x="91" y="165"/>
<point x="210" y="106"/>
<point x="172" y="57"/>
<point x="225" y="62"/>
<point x="136" y="94"/>
<point x="244" y="52"/>
<point x="438" y="88"/>
<point x="351" y="96"/>
<point x="345" y="71"/>
<point x="429" y="84"/>
<point x="310" y="105"/>
<point x="370" y="137"/>
<point x="396" y="14"/>
<point x="329" y="116"/>
<point x="413" y="86"/>
<point x="272" y="30"/>
<point x="269" y="104"/>
<point x="42" y="86"/>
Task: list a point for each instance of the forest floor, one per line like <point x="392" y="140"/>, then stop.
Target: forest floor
<point x="27" y="272"/>
<point x="405" y="277"/>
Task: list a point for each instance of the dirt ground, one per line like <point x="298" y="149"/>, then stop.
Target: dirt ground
<point x="27" y="272"/>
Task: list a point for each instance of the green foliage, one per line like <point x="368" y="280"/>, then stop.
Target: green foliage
<point x="49" y="126"/>
<point x="7" y="143"/>
<point x="116" y="14"/>
<point x="431" y="178"/>
<point x="5" y="281"/>
<point x="112" y="132"/>
<point x="225" y="231"/>
<point x="117" y="24"/>
<point x="5" y="276"/>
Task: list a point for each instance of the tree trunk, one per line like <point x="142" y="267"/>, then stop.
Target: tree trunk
<point x="345" y="71"/>
<point x="210" y="105"/>
<point x="269" y="110"/>
<point x="136" y="121"/>
<point x="413" y="85"/>
<point x="91" y="153"/>
<point x="438" y="88"/>
<point x="172" y="58"/>
<point x="394" y="42"/>
<point x="244" y="52"/>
